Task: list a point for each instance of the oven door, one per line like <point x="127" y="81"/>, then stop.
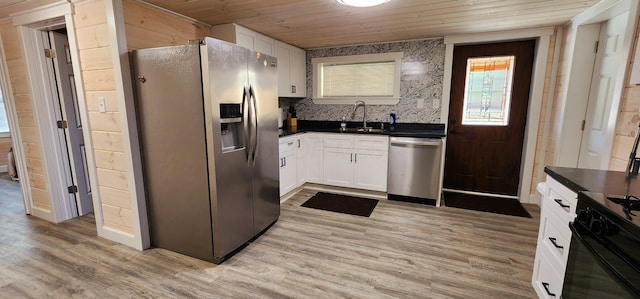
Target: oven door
<point x="596" y="270"/>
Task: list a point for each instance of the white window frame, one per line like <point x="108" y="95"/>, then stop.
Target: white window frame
<point x="382" y="57"/>
<point x="5" y="134"/>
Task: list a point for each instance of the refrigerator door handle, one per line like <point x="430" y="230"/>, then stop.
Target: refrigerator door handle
<point x="245" y="123"/>
<point x="256" y="125"/>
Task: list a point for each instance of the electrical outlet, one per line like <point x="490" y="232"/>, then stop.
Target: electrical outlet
<point x="436" y="104"/>
<point x="420" y="103"/>
<point x="102" y="106"/>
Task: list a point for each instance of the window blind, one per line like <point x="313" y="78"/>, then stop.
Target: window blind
<point x="371" y="79"/>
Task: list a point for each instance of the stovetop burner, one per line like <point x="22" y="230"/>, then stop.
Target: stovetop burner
<point x="629" y="203"/>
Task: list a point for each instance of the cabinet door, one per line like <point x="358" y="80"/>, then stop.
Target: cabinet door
<point x="282" y="53"/>
<point x="371" y="170"/>
<point x="245" y="38"/>
<point x="288" y="168"/>
<point x="338" y="167"/>
<point x="265" y="44"/>
<point x="301" y="152"/>
<point x="298" y="72"/>
<point x="314" y="158"/>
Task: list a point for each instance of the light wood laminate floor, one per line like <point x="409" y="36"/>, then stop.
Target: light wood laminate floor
<point x="403" y="250"/>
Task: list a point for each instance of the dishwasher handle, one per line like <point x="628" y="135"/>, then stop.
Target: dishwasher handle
<point x="415" y="141"/>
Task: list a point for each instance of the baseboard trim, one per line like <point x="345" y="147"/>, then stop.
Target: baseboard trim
<point x="4" y="168"/>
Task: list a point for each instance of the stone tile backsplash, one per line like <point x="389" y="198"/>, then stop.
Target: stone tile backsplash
<point x="422" y="74"/>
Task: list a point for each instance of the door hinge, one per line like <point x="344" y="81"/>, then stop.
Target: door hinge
<point x="50" y="53"/>
<point x="73" y="189"/>
<point x="595" y="49"/>
<point x="584" y="123"/>
<point x="62" y="124"/>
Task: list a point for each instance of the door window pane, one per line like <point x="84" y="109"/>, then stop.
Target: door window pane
<point x="487" y="95"/>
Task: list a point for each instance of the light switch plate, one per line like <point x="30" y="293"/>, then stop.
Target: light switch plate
<point x="102" y="106"/>
<point x="436" y="104"/>
<point x="420" y="103"/>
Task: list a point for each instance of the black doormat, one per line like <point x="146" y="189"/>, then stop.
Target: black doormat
<point x="498" y="205"/>
<point x="341" y="204"/>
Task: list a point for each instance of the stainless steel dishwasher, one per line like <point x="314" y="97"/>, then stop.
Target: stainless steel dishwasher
<point x="414" y="169"/>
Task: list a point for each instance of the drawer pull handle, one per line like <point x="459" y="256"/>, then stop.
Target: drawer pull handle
<point x="553" y="241"/>
<point x="546" y="288"/>
<point x="559" y="202"/>
<point x="290" y="143"/>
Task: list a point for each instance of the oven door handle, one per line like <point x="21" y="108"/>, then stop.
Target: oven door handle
<point x="588" y="239"/>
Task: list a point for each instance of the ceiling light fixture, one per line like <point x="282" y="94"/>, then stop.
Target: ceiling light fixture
<point x="362" y="3"/>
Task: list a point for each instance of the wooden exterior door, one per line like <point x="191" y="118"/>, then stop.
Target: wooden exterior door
<point x="487" y="116"/>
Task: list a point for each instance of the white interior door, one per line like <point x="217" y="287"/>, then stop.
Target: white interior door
<point x="71" y="113"/>
<point x="601" y="93"/>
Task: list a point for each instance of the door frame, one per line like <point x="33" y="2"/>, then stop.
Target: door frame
<point x="14" y="132"/>
<point x="536" y="94"/>
<point x="30" y="26"/>
<point x="584" y="31"/>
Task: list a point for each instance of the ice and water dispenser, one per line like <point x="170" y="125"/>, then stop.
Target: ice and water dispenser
<point x="231" y="127"/>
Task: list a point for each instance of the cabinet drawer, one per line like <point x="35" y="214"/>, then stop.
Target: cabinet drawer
<point x="339" y="141"/>
<point x="561" y="191"/>
<point x="546" y="281"/>
<point x="379" y="143"/>
<point x="562" y="207"/>
<point x="286" y="144"/>
<point x="555" y="237"/>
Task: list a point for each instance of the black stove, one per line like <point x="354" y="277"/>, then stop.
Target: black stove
<point x="604" y="257"/>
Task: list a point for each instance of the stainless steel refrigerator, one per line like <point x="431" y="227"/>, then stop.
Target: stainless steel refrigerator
<point x="207" y="116"/>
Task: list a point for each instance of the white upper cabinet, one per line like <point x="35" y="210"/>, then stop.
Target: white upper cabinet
<point x="244" y="37"/>
<point x="292" y="66"/>
<point x="292" y="61"/>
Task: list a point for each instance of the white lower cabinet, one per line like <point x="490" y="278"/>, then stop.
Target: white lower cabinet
<point x="557" y="209"/>
<point x="546" y="280"/>
<point x="356" y="161"/>
<point x="288" y="166"/>
<point x="371" y="170"/>
<point x="301" y="153"/>
<point x="343" y="160"/>
<point x="314" y="157"/>
<point x="338" y="166"/>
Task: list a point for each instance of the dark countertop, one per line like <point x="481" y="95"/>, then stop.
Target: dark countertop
<point x="598" y="181"/>
<point x="402" y="129"/>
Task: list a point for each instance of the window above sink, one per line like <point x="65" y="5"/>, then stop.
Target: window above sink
<point x="373" y="78"/>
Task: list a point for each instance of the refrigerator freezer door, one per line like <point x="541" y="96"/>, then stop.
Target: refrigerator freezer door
<point x="264" y="86"/>
<point x="170" y="116"/>
<point x="225" y="74"/>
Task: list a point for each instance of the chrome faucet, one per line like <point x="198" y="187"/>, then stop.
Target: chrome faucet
<point x="364" y="112"/>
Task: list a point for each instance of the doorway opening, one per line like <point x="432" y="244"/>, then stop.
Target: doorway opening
<point x="58" y="186"/>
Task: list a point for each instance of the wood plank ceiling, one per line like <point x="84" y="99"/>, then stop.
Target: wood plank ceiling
<point x="322" y="23"/>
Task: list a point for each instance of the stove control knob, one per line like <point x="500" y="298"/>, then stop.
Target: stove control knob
<point x="596" y="226"/>
<point x="601" y="226"/>
<point x="584" y="216"/>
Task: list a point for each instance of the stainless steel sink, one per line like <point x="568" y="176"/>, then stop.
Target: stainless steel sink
<point x="370" y="130"/>
<point x="361" y="130"/>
